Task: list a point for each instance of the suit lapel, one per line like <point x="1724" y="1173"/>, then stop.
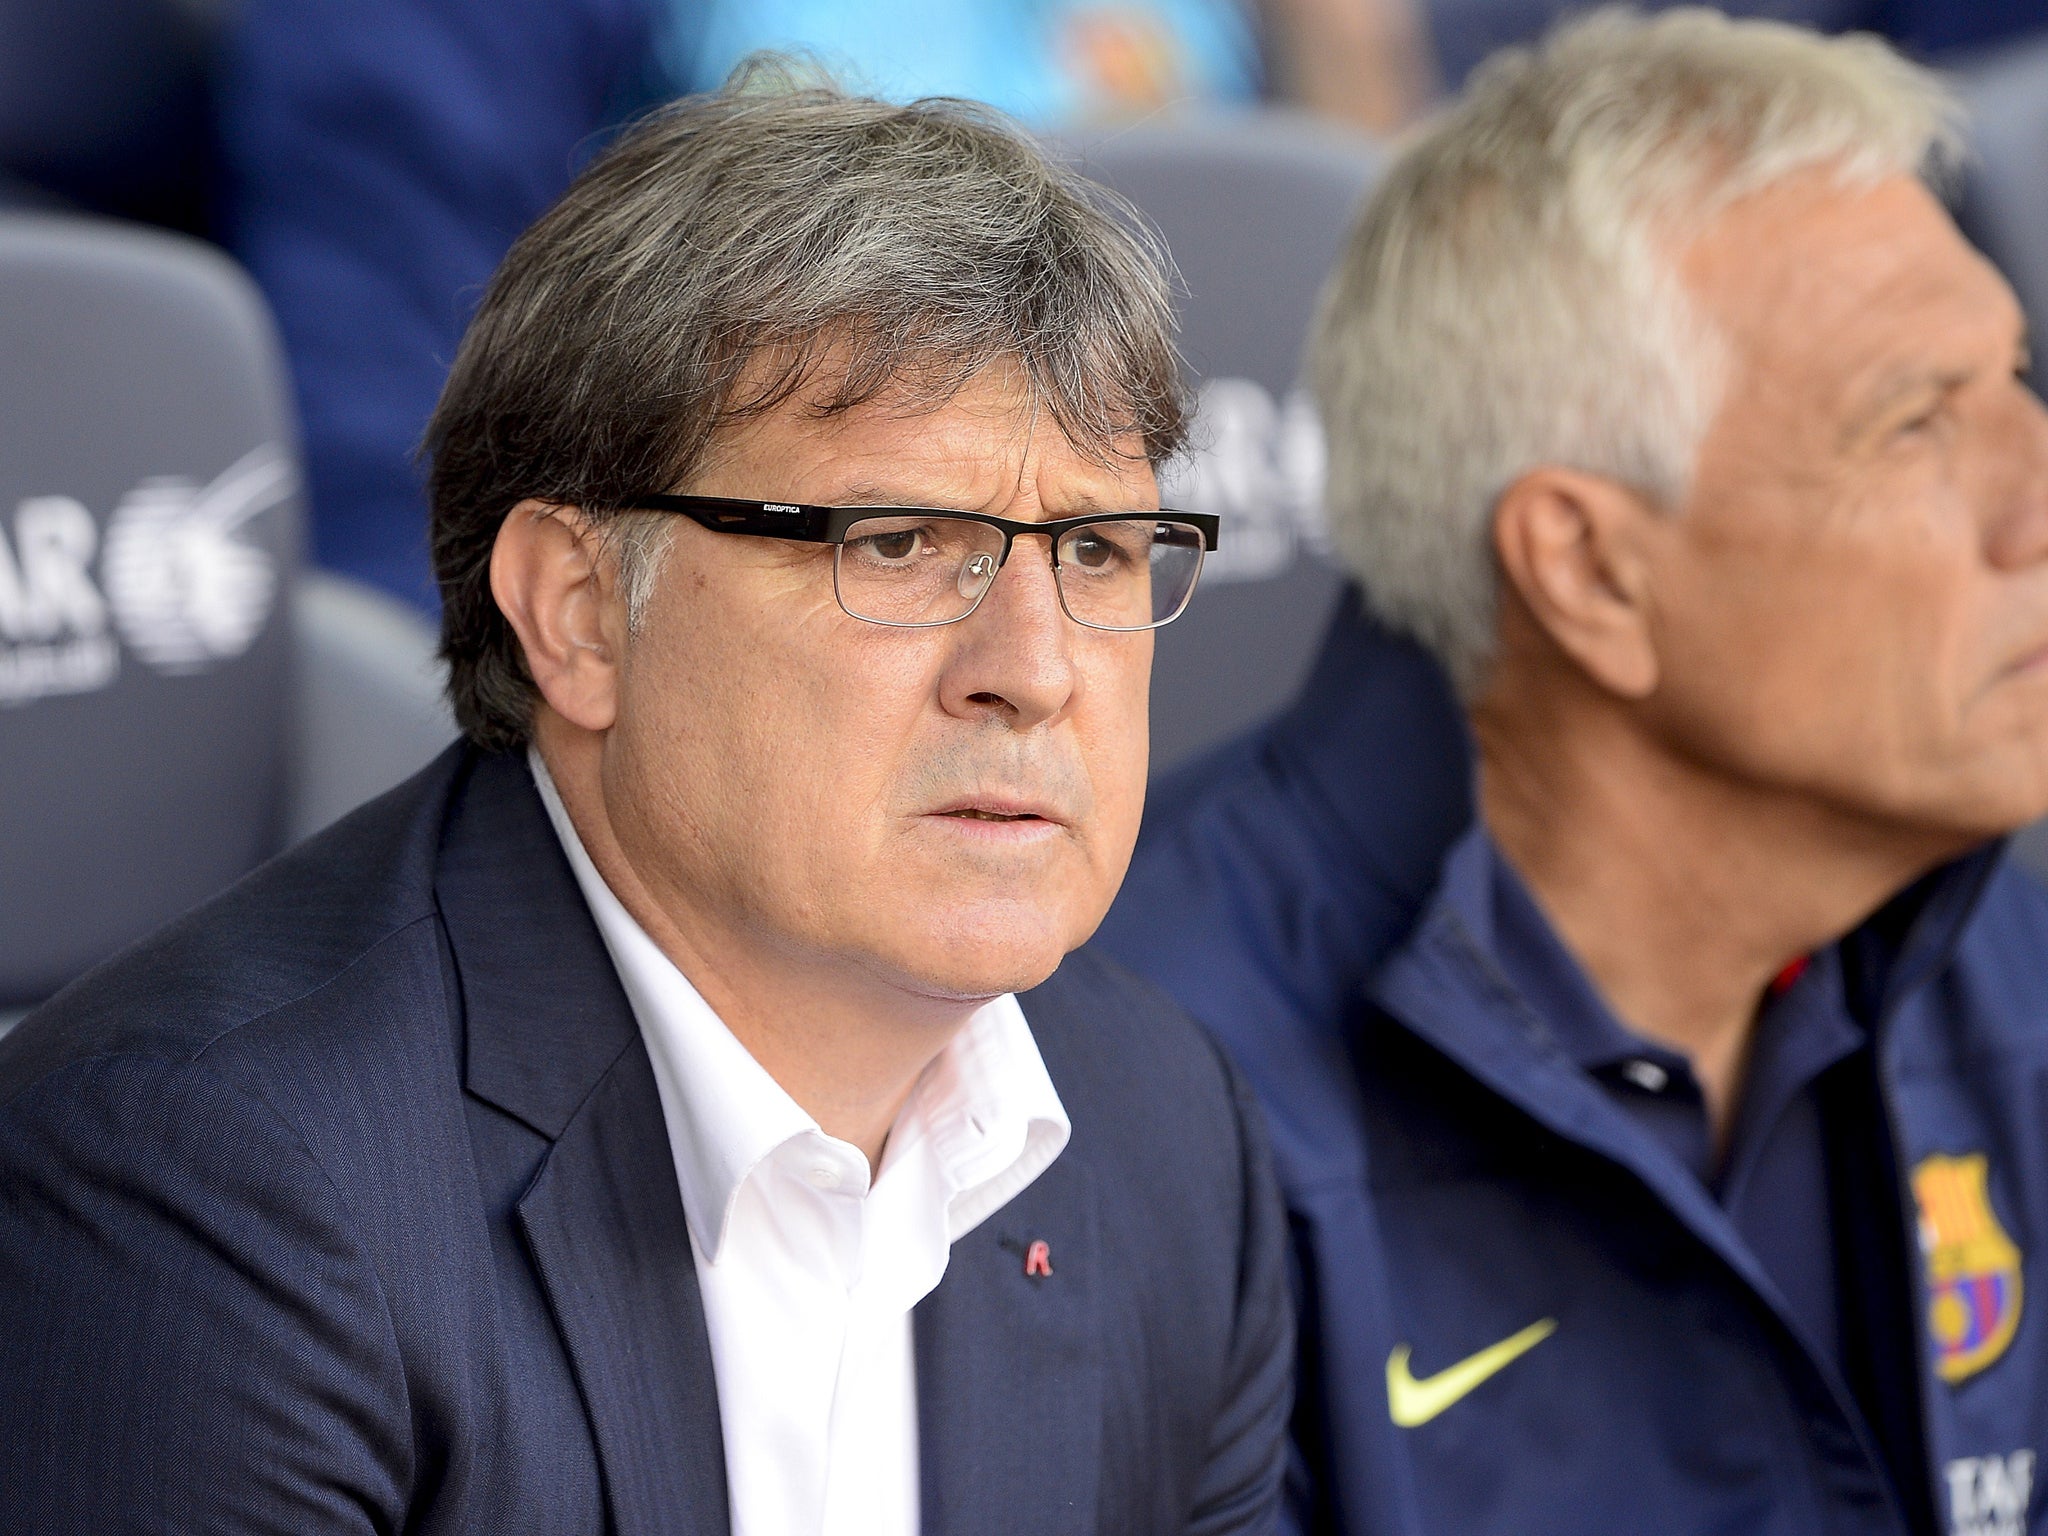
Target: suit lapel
<point x="1009" y="1369"/>
<point x="550" y="1039"/>
<point x="604" y="1222"/>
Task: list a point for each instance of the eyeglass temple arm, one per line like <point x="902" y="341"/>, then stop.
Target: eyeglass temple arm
<point x="727" y="514"/>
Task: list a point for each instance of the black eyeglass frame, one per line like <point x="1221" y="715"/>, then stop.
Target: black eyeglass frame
<point x="808" y="524"/>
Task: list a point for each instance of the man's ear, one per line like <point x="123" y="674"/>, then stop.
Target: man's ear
<point x="559" y="593"/>
<point x="1571" y="546"/>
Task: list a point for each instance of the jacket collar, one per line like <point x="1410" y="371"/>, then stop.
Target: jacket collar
<point x="1335" y="740"/>
<point x="1512" y="936"/>
<point x="1327" y="828"/>
<point x="1011" y="1365"/>
<point x="1380" y="752"/>
<point x="546" y="1018"/>
<point x="1909" y="940"/>
<point x="1446" y="984"/>
<point x="550" y="1040"/>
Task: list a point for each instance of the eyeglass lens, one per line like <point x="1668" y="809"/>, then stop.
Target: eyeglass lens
<point x="1130" y="573"/>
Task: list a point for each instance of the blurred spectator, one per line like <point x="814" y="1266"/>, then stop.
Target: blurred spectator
<point x="382" y="155"/>
<point x="1363" y="62"/>
<point x="1047" y="64"/>
<point x="104" y="104"/>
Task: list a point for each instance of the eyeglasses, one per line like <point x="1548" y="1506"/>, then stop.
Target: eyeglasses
<point x="914" y="567"/>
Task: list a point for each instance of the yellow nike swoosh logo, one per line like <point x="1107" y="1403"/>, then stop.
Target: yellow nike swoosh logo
<point x="1413" y="1402"/>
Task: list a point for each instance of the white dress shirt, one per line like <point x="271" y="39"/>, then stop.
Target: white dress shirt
<point x="809" y="1268"/>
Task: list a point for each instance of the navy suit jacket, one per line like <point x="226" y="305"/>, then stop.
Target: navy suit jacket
<point x="346" y="1204"/>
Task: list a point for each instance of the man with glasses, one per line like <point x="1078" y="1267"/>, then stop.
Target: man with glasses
<point x="677" y="1110"/>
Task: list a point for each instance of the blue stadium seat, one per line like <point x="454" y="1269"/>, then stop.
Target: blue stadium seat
<point x="1254" y="207"/>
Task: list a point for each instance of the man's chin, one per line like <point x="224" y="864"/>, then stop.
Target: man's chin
<point x="1999" y="795"/>
<point x="983" y="955"/>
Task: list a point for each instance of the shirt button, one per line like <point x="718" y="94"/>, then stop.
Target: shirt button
<point x="1647" y="1075"/>
<point x="823" y="1177"/>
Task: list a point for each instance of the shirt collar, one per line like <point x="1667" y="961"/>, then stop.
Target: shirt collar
<point x="989" y="1107"/>
<point x="986" y="1105"/>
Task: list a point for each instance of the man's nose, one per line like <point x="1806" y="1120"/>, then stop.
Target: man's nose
<point x="1015" y="655"/>
<point x="2019" y="536"/>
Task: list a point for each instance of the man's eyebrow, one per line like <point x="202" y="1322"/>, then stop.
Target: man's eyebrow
<point x="869" y="494"/>
<point x="1899" y="385"/>
<point x="865" y="494"/>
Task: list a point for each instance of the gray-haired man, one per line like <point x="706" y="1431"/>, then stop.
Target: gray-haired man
<point x="1683" y="1169"/>
<point x="633" y="1124"/>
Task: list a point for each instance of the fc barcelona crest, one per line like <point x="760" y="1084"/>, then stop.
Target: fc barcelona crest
<point x="1973" y="1265"/>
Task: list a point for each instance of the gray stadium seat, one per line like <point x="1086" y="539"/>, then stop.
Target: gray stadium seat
<point x="367" y="702"/>
<point x="18" y="196"/>
<point x="155" y="673"/>
<point x="2004" y="208"/>
<point x="149" y="509"/>
<point x="2005" y="197"/>
<point x="1254" y="208"/>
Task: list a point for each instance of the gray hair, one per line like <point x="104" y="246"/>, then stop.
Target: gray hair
<point x="711" y="264"/>
<point x="1509" y="297"/>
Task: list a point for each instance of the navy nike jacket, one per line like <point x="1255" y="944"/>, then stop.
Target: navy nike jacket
<point x="1565" y="1322"/>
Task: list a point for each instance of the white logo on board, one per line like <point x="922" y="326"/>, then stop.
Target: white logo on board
<point x="1258" y="462"/>
<point x="1989" y="1495"/>
<point x="53" y="621"/>
<point x="176" y="580"/>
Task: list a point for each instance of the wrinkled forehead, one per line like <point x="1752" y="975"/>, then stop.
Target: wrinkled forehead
<point x="1822" y="291"/>
<point x="975" y="443"/>
<point x="844" y="371"/>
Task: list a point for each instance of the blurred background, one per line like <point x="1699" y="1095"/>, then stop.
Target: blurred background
<point x="239" y="241"/>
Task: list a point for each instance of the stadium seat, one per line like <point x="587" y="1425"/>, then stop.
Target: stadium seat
<point x="367" y="703"/>
<point x="2005" y="196"/>
<point x="2004" y="208"/>
<point x="1254" y="208"/>
<point x="174" y="702"/>
<point x="17" y="196"/>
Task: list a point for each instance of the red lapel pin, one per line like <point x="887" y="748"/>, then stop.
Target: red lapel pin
<point x="1038" y="1257"/>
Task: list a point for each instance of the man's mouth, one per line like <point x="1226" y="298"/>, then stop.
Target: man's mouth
<point x="994" y="808"/>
